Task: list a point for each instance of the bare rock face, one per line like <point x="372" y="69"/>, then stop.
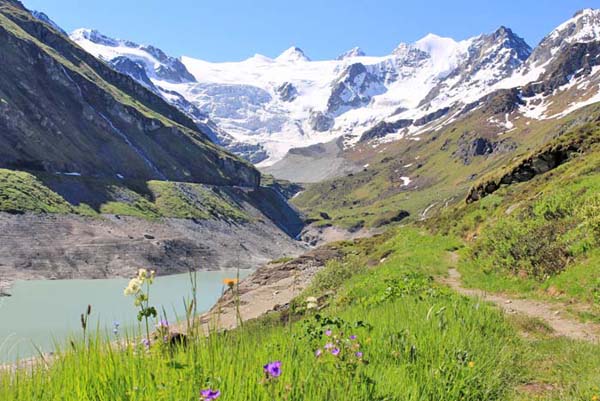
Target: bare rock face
<point x="320" y="122"/>
<point x="354" y="88"/>
<point x="470" y="147"/>
<point x="287" y="92"/>
<point x="66" y="246"/>
<point x="574" y="61"/>
<point x="384" y="128"/>
<point x="582" y="28"/>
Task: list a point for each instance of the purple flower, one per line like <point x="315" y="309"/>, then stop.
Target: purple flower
<point x="272" y="369"/>
<point x="209" y="394"/>
<point x="328" y="346"/>
<point x="335" y="351"/>
<point x="146" y="342"/>
<point x="163" y="324"/>
<point x="328" y="333"/>
<point x="318" y="352"/>
<point x="353" y="337"/>
<point x="359" y="354"/>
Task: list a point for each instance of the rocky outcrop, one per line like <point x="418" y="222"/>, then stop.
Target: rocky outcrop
<point x="320" y="121"/>
<point x="170" y="69"/>
<point x="549" y="157"/>
<point x="470" y="147"/>
<point x="426" y="119"/>
<point x="384" y="128"/>
<point x="287" y="92"/>
<point x="354" y="88"/>
<point x="574" y="61"/>
<point x="135" y="70"/>
<point x="582" y="28"/>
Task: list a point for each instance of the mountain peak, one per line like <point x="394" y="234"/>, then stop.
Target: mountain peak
<point x="443" y="51"/>
<point x="583" y="27"/>
<point x="45" y="18"/>
<point x="505" y="38"/>
<point x="354" y="52"/>
<point x="95" y="36"/>
<point x="292" y="54"/>
<point x="432" y="43"/>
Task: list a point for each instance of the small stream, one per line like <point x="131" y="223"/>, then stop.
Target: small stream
<point x="43" y="313"/>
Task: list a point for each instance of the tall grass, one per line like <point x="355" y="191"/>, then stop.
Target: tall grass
<point x="416" y="342"/>
<point x="413" y="349"/>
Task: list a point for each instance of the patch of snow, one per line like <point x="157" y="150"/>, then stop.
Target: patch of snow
<point x="72" y="174"/>
<point x="405" y="181"/>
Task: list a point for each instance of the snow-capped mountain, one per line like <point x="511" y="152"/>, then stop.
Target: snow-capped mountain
<point x="155" y="70"/>
<point x="266" y="106"/>
<point x="354" y="52"/>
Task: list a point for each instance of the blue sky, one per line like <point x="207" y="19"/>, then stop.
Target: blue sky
<point x="229" y="30"/>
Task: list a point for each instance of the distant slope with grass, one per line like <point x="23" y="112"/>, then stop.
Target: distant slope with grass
<point x="99" y="175"/>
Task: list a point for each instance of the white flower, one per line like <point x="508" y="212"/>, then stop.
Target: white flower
<point x="142" y="274"/>
<point x="134" y="287"/>
<point x="312" y="303"/>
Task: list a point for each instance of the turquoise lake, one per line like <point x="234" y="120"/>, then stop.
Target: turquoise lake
<point x="44" y="313"/>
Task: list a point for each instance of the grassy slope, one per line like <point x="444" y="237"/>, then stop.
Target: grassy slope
<point x="419" y="340"/>
<point x="439" y="178"/>
<point x="156" y="129"/>
<point x="24" y="192"/>
<point x="539" y="238"/>
<point x="425" y="343"/>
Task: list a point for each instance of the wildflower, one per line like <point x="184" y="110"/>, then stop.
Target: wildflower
<point x="312" y="303"/>
<point x="134" y="287"/>
<point x="335" y="351"/>
<point x="595" y="398"/>
<point x="353" y="337"/>
<point x="328" y="333"/>
<point x="318" y="352"/>
<point x="209" y="394"/>
<point x="230" y="282"/>
<point x="116" y="327"/>
<point x="328" y="346"/>
<point x="146" y="342"/>
<point x="359" y="355"/>
<point x="163" y="324"/>
<point x="471" y="364"/>
<point x="272" y="369"/>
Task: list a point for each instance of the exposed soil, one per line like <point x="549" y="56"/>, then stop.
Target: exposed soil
<point x="551" y="314"/>
<point x="36" y="246"/>
<point x="269" y="289"/>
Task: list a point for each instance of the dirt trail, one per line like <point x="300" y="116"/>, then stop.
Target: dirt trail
<point x="550" y="313"/>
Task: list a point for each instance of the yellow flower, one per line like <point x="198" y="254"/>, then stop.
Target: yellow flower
<point x="595" y="398"/>
<point x="230" y="282"/>
<point x="142" y="274"/>
<point x="471" y="364"/>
